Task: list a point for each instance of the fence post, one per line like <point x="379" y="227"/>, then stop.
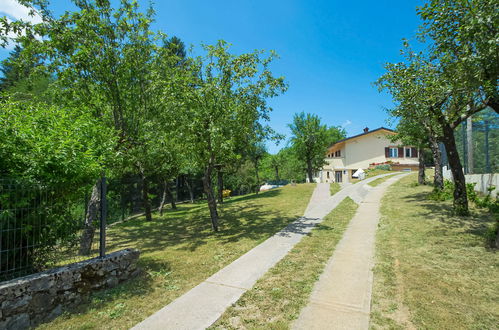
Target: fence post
<point x="487" y="157"/>
<point x="103" y="214"/>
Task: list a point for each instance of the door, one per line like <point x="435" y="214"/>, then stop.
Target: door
<point x="338" y="175"/>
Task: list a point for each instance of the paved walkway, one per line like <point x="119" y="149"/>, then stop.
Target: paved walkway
<point x="204" y="304"/>
<point x="341" y="299"/>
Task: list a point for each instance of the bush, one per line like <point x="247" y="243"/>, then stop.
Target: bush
<point x="384" y="167"/>
<point x="445" y="194"/>
<point x="483" y="202"/>
<point x="491" y="234"/>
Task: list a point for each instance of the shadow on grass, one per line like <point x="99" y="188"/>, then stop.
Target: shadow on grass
<point x="189" y="227"/>
<point x="476" y="223"/>
<point x="253" y="196"/>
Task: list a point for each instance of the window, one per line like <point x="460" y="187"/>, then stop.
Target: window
<point x="411" y="152"/>
<point x="394" y="152"/>
<point x="337" y="153"/>
<point x="327" y="174"/>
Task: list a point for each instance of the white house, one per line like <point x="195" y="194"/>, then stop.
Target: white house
<point x="365" y="150"/>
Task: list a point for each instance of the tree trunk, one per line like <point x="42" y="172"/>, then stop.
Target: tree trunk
<point x="257" y="177"/>
<point x="220" y="184"/>
<point x="163" y="198"/>
<point x="277" y="173"/>
<point x="210" y="196"/>
<point x="421" y="168"/>
<point x="167" y="193"/>
<point x="438" y="179"/>
<point x="171" y="195"/>
<point x="91" y="216"/>
<point x="189" y="187"/>
<point x="460" y="196"/>
<point x="145" y="197"/>
<point x="309" y="171"/>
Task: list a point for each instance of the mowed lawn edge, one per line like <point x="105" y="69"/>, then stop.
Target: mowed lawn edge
<point x="179" y="251"/>
<point x="278" y="297"/>
<point x="379" y="181"/>
<point x="433" y="269"/>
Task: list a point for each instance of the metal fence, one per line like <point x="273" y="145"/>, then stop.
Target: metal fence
<point x="44" y="226"/>
<point x="41" y="227"/>
<point x="478" y="143"/>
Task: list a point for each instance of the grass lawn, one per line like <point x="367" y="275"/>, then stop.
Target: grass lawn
<point x="374" y="172"/>
<point x="334" y="188"/>
<point x="379" y="181"/>
<point x="433" y="270"/>
<point x="179" y="250"/>
<point x="278" y="297"/>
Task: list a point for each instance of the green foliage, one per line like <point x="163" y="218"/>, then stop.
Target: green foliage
<point x="463" y="36"/>
<point x="129" y="100"/>
<point x="49" y="144"/>
<point x="454" y="77"/>
<point x="310" y="139"/>
<point x="226" y="99"/>
<point x="492" y="232"/>
<point x="384" y="167"/>
<point x="445" y="194"/>
<point x="487" y="201"/>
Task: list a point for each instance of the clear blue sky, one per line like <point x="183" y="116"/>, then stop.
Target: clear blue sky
<point x="331" y="51"/>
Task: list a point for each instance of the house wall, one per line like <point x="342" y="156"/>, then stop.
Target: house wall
<point x="359" y="153"/>
<point x="335" y="163"/>
<point x="367" y="149"/>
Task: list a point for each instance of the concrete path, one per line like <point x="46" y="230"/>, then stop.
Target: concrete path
<point x="204" y="304"/>
<point x="341" y="299"/>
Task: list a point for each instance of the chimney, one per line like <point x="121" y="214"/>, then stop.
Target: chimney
<point x="366" y="129"/>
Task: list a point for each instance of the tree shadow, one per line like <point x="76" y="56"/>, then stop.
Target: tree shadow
<point x="189" y="227"/>
<point x="476" y="223"/>
<point x="263" y="194"/>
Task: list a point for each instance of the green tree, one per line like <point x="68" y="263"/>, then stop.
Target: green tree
<point x="462" y="35"/>
<point x="310" y="139"/>
<point x="106" y="61"/>
<point x="227" y="97"/>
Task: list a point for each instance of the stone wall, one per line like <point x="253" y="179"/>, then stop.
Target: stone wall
<point x="30" y="300"/>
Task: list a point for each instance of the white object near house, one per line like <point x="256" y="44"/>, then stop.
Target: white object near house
<point x="269" y="186"/>
<point x="359" y="174"/>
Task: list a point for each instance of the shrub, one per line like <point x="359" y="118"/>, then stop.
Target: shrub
<point x="444" y="194"/>
<point x="491" y="234"/>
<point x="384" y="167"/>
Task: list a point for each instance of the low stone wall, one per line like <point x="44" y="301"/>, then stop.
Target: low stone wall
<point x="31" y="300"/>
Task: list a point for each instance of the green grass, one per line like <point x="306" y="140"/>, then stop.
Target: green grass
<point x="334" y="188"/>
<point x="179" y="250"/>
<point x="379" y="181"/>
<point x="433" y="270"/>
<point x="374" y="172"/>
<point x="278" y="297"/>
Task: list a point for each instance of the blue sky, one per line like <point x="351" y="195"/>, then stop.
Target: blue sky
<point x="331" y="51"/>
